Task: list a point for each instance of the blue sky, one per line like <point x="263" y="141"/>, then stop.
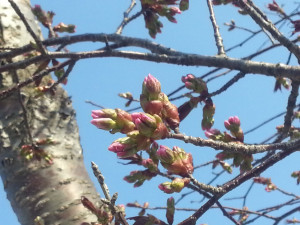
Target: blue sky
<point x="100" y="80"/>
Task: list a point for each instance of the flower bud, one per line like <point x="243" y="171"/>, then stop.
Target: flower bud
<point x="151" y="87"/>
<point x="233" y="125"/>
<point x="176" y="161"/>
<point x="139" y="177"/>
<point x="145" y="123"/>
<point x="175" y="185"/>
<point x="208" y="113"/>
<point x="149" y="164"/>
<point x="150" y="125"/>
<point x="114" y="120"/>
<point x="124" y="147"/>
<point x="275" y="7"/>
<point x="196" y="84"/>
<point x="214" y="134"/>
<point x="152" y="152"/>
<point x="104" y="113"/>
<point x="104" y="123"/>
<point x="170" y="210"/>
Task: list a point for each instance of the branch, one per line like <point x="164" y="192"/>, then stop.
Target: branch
<point x="126" y="19"/>
<point x="166" y="55"/>
<point x="235" y="79"/>
<point x="235" y="147"/>
<point x="264" y="23"/>
<point x="286" y="214"/>
<point x="218" y="38"/>
<point x="235" y="183"/>
<point x="8" y="92"/>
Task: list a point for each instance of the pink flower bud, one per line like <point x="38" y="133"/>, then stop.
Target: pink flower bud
<point x="145" y="123"/>
<point x="233" y="125"/>
<point x="104" y="113"/>
<point x="174" y="11"/>
<point x="104" y="123"/>
<point x="213" y="134"/>
<point x="151" y="86"/>
<point x="124" y="147"/>
<point x="149" y="164"/>
<point x="196" y="84"/>
<point x="176" y="161"/>
<point x="165" y="154"/>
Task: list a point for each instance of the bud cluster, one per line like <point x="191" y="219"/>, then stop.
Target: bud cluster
<point x="233" y="125"/>
<point x="176" y="160"/>
<point x="197" y="85"/>
<point x="153" y="101"/>
<point x="239" y="160"/>
<point x="142" y="129"/>
<point x="153" y="9"/>
<point x="46" y="18"/>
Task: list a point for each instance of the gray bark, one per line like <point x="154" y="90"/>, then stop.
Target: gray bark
<point x="36" y="188"/>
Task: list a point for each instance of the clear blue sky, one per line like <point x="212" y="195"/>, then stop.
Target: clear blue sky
<point x="100" y="80"/>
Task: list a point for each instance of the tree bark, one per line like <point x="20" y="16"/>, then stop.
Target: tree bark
<point x="35" y="187"/>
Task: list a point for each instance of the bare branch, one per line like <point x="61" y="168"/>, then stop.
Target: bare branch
<point x="264" y="23"/>
<point x="218" y="38"/>
<point x="234" y="147"/>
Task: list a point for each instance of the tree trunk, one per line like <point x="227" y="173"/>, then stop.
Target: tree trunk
<point x="35" y="187"/>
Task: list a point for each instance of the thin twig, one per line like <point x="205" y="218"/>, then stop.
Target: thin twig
<point x="126" y="19"/>
<point x="9" y="91"/>
<point x="100" y="179"/>
<point x="65" y="75"/>
<point x="218" y="38"/>
<point x="289" y="111"/>
<point x="225" y="213"/>
<point x="94" y="104"/>
<point x="29" y="29"/>
<point x="264" y="23"/>
<point x="235" y="79"/>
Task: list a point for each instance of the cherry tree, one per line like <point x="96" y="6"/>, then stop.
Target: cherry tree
<point x="42" y="166"/>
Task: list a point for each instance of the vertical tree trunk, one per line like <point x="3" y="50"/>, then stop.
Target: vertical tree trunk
<point x="36" y="188"/>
